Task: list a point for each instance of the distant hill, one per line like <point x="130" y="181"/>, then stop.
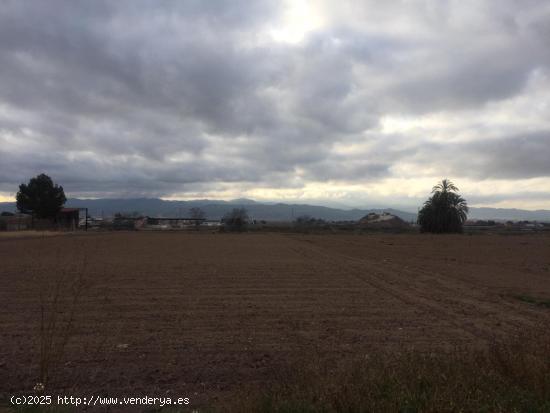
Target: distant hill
<point x="509" y="214"/>
<point x="215" y="209"/>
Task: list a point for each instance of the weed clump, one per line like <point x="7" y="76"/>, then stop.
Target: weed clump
<point x="512" y="376"/>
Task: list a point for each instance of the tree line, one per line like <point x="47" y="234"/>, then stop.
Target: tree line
<point x="445" y="211"/>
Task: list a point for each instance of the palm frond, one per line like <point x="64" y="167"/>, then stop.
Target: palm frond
<point x="444" y="211"/>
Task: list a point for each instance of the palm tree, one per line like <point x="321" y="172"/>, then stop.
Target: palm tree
<point x="444" y="211"/>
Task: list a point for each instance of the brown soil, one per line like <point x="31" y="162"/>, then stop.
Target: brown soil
<point x="199" y="315"/>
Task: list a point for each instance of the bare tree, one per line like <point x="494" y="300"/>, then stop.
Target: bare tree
<point x="236" y="219"/>
<point x="198" y="214"/>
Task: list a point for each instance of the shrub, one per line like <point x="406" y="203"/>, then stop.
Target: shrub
<point x="236" y="220"/>
<point x="509" y="376"/>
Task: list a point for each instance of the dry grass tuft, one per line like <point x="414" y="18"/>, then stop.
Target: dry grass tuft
<point x="511" y="376"/>
<point x="60" y="296"/>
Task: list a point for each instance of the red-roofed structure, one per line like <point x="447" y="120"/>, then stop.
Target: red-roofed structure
<point x="68" y="218"/>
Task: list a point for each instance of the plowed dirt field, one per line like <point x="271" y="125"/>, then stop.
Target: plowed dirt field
<point x="198" y="315"/>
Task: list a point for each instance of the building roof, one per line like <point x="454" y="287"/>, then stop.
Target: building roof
<point x="176" y="219"/>
<point x="69" y="210"/>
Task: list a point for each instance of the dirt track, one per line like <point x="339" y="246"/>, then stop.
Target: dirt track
<point x="202" y="313"/>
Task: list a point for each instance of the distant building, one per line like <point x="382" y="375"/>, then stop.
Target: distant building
<point x="385" y="220"/>
<point x="67" y="219"/>
<point x="15" y="222"/>
<point x="168" y="223"/>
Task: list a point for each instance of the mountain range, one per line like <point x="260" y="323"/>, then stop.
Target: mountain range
<point x="215" y="209"/>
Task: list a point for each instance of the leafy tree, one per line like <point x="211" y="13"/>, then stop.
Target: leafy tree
<point x="41" y="197"/>
<point x="445" y="211"/>
<point x="236" y="219"/>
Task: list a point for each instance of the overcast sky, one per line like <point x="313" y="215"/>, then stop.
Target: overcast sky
<point x="357" y="103"/>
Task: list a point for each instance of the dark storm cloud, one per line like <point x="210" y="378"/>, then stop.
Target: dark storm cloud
<point x="153" y="98"/>
<point x="519" y="195"/>
<point x="512" y="157"/>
